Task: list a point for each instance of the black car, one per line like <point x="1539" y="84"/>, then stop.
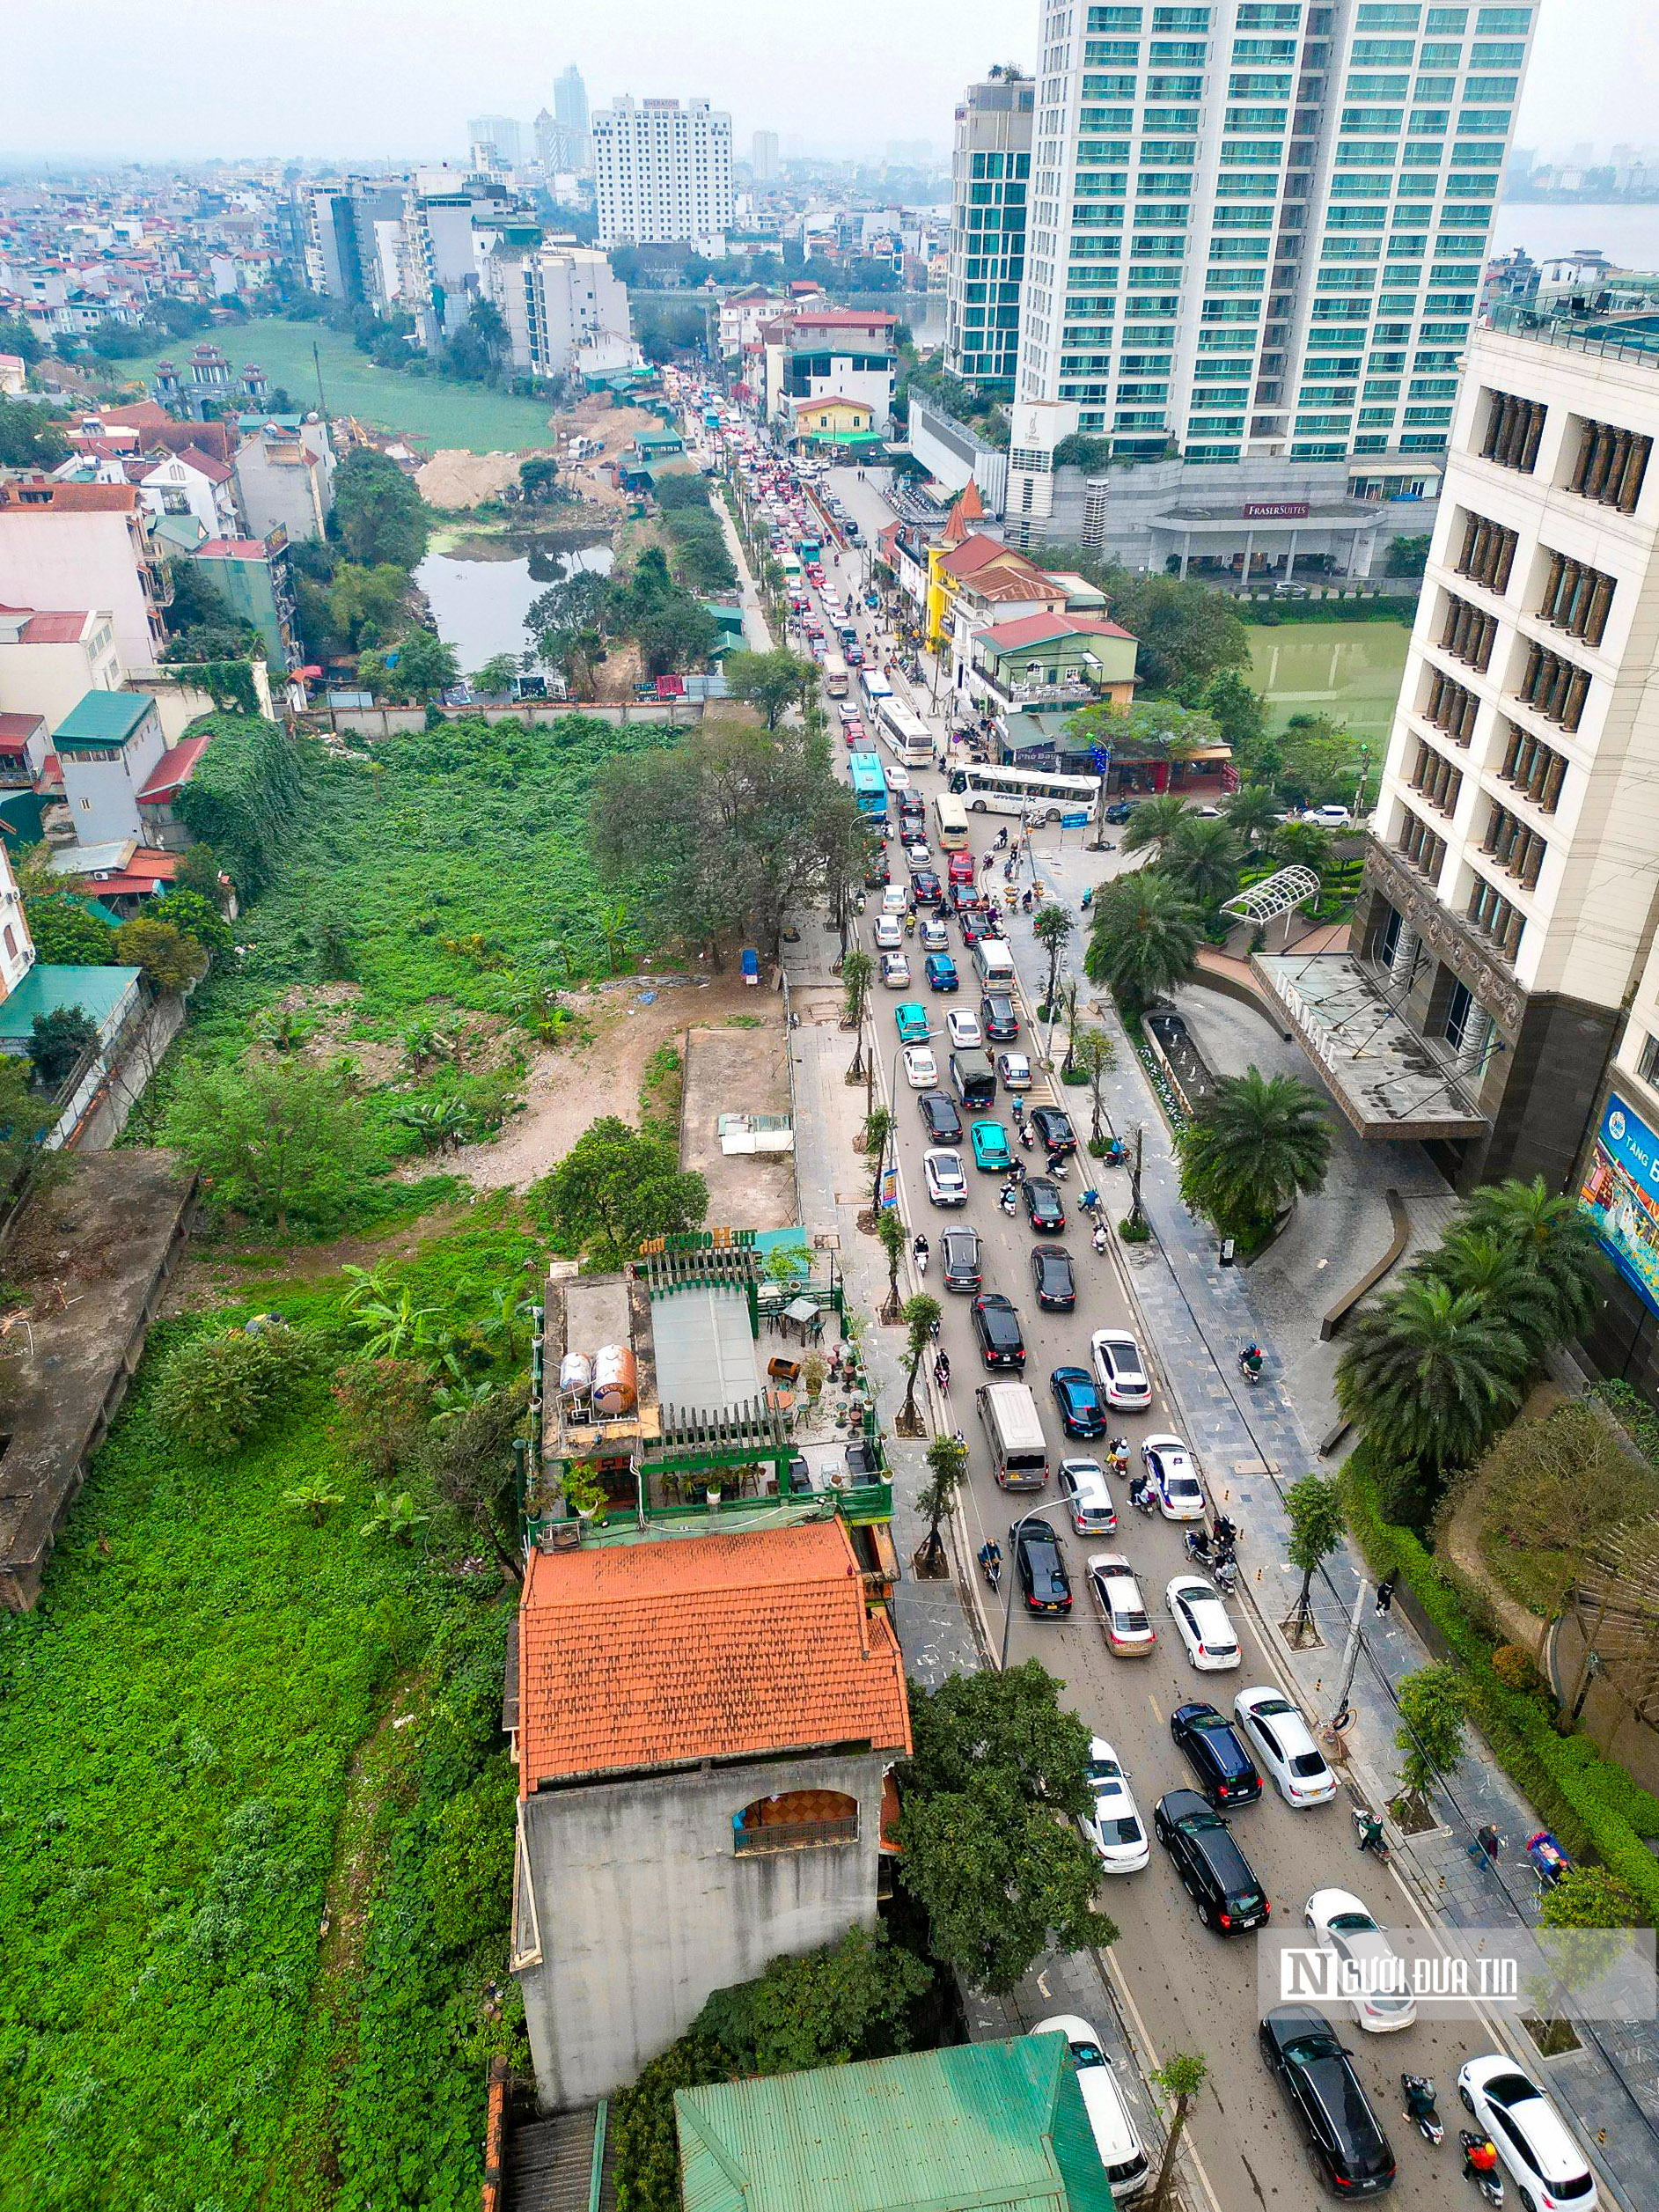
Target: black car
<point x="1053" y="1279"/>
<point x="912" y="810"/>
<point x="1226" y="1772"/>
<point x="1055" y="1132"/>
<point x="1214" y="1872"/>
<point x="959" y="1258"/>
<point x="1120" y="810"/>
<point x="944" y="1123"/>
<point x="877" y="872"/>
<point x="998" y="1018"/>
<point x="996" y="1325"/>
<point x="1044" y="1582"/>
<point x="927" y="888"/>
<point x="1315" y="2072"/>
<point x="1043" y="1209"/>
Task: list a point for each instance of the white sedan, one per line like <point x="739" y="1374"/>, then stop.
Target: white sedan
<point x="1120" y="1371"/>
<point x="942" y="1172"/>
<point x="922" y="1069"/>
<point x="895" y="898"/>
<point x="1174" y="1478"/>
<point x="935" y="937"/>
<point x="1202" y="1622"/>
<point x="1546" y="2165"/>
<point x="847" y="709"/>
<point x="1115" y="1827"/>
<point x="1122" y="1607"/>
<point x="1284" y="1747"/>
<point x="965" y="1033"/>
<point x="1328" y="817"/>
<point x="1378" y="1984"/>
<point x="889" y="933"/>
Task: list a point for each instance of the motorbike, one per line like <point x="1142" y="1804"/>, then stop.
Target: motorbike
<point x="1008" y="1199"/>
<point x="1198" y="1550"/>
<point x="942" y="1371"/>
<point x="1225" y="1573"/>
<point x="1101" y="1239"/>
<point x="991" y="1563"/>
<point x="1252" y="1363"/>
<point x="919" y="1251"/>
<point x="1363" y="1835"/>
<point x="1143" y="1494"/>
<point x="1419" y="2093"/>
<point x="1027" y="1135"/>
<point x="1489" y="2184"/>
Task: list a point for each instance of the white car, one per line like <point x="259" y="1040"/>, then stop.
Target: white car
<point x="895" y="898"/>
<point x="963" y="1027"/>
<point x="889" y="933"/>
<point x="1202" y="1622"/>
<point x="922" y="1069"/>
<point x="1120" y="1371"/>
<point x="1382" y="1999"/>
<point x="917" y="856"/>
<point x="895" y="971"/>
<point x="1120" y="2147"/>
<point x="1284" y="1748"/>
<point x="848" y="711"/>
<point x="896" y="778"/>
<point x="1083" y="1486"/>
<point x="1331" y="817"/>
<point x="1115" y="1827"/>
<point x="1548" y="2168"/>
<point x="935" y="937"/>
<point x="1174" y="1478"/>
<point x="1122" y="1609"/>
<point x="1015" y="1069"/>
<point x="942" y="1172"/>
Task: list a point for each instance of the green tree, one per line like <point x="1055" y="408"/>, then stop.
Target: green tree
<point x="1145" y="939"/>
<point x="1555" y="1240"/>
<point x="17" y="337"/>
<point x="1302" y="845"/>
<point x="425" y="666"/>
<point x="364" y="606"/>
<point x="30" y="436"/>
<point x="1496" y="1271"/>
<point x="947" y="1467"/>
<point x="66" y="933"/>
<point x="1255" y="1145"/>
<point x="877" y="1136"/>
<point x="1051" y="925"/>
<point x="470" y="1465"/>
<point x="26" y="1115"/>
<point x="770" y="682"/>
<point x="199" y="917"/>
<point x="1319" y="760"/>
<point x="198" y="872"/>
<point x="1434" y="1710"/>
<point x="990" y="1848"/>
<point x="1186" y="632"/>
<point x="497" y="675"/>
<point x="272" y="1140"/>
<point x="1203" y="856"/>
<point x="849" y="2000"/>
<point x="1406" y="556"/>
<point x="1154" y="822"/>
<point x="1582" y="1919"/>
<point x="858" y="972"/>
<point x="646" y="2141"/>
<point x="922" y="1316"/>
<point x="890" y="1232"/>
<point x="1181" y="2077"/>
<point x="59" y="1041"/>
<point x="1314" y="1505"/>
<point x="168" y="958"/>
<point x="1429" y="1376"/>
<point x="1151" y="730"/>
<point x="615" y="1188"/>
<point x="1240" y="714"/>
<point x="538" y="479"/>
<point x="378" y="515"/>
<point x="1097" y="1056"/>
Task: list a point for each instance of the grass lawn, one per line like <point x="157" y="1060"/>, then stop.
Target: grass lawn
<point x="436" y="409"/>
<point x="1350" y="670"/>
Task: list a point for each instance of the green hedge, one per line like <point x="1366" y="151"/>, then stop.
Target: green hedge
<point x="244" y="796"/>
<point x="1590" y="1800"/>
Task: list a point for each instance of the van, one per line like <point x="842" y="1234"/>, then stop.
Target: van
<point x="995" y="962"/>
<point x="1116" y="2140"/>
<point x="973" y="1079"/>
<point x="1014" y="1431"/>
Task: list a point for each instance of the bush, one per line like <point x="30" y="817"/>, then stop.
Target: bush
<point x="217" y="1390"/>
<point x="66" y="933"/>
<point x="387" y="1404"/>
<point x="1514" y="1668"/>
<point x="469" y="1870"/>
<point x="244" y="796"/>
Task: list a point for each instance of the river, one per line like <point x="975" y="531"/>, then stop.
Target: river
<point x="1628" y="235"/>
<point x="482" y="588"/>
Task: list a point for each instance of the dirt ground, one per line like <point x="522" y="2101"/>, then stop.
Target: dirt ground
<point x="567" y="1090"/>
<point x="738" y="1070"/>
<point x="454" y="480"/>
<point x="596" y="417"/>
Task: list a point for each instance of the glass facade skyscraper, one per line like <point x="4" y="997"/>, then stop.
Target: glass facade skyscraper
<point x="990" y="180"/>
<point x="1258" y="227"/>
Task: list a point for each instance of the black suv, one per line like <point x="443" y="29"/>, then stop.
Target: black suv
<point x="1214" y="1872"/>
<point x="1226" y="1772"/>
<point x="960" y="1258"/>
<point x="944" y="1123"/>
<point x="996" y="1012"/>
<point x="1043" y="1580"/>
<point x="996" y="1325"/>
<point x="1055" y="1132"/>
<point x="1315" y="2071"/>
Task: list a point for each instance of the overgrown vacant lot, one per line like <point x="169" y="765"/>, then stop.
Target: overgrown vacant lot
<point x="224" y="1723"/>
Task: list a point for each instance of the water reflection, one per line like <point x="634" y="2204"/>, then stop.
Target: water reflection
<point x="480" y="590"/>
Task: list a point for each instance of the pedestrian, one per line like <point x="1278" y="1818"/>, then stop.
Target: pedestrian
<point x="1490" y="1842"/>
<point x="1385" y="1592"/>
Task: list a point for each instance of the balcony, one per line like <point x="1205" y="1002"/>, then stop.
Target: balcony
<point x="793" y="1835"/>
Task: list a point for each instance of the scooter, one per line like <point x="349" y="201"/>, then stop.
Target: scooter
<point x="1419" y="2093"/>
<point x="1251" y="1364"/>
<point x="1101" y="1237"/>
<point x="1142" y="1493"/>
<point x="1363" y="1835"/>
<point x="991" y="1563"/>
<point x="919" y="1253"/>
<point x="1008" y="1199"/>
<point x="1490" y="2184"/>
<point x="1027" y="1135"/>
<point x="1225" y="1573"/>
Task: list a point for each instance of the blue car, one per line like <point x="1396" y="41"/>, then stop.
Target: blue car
<point x="1083" y="1411"/>
<point x="942" y="975"/>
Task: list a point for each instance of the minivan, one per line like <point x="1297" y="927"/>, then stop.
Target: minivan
<point x="995" y="963"/>
<point x="974" y="1080"/>
<point x="1119" y="2146"/>
<point x="1214" y="1872"/>
<point x="1014" y="1431"/>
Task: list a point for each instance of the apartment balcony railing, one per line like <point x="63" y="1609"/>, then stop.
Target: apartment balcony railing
<point x="793" y="1835"/>
<point x="1059" y="691"/>
<point x="1597" y="335"/>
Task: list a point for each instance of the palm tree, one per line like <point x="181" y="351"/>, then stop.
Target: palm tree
<point x="1203" y="855"/>
<point x="1154" y="821"/>
<point x="1556" y="1242"/>
<point x="1146" y="934"/>
<point x="613" y="925"/>
<point x="1253" y="812"/>
<point x="1429" y="1375"/>
<point x="1052" y="925"/>
<point x="1256" y="1144"/>
<point x="1302" y="845"/>
<point x="1496" y="1270"/>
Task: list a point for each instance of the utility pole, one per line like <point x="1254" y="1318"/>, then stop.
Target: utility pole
<point x="317" y="363"/>
<point x="1359" y="789"/>
<point x="1343" y="1717"/>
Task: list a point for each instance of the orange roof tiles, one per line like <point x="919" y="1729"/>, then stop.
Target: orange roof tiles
<point x="641" y="1656"/>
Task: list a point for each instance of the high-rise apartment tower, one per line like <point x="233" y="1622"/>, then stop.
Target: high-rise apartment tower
<point x="990" y="171"/>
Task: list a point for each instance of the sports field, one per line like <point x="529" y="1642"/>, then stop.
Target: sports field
<point x="1350" y="670"/>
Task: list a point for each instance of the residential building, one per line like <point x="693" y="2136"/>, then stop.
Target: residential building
<point x="450" y="222"/>
<point x="763" y="157"/>
<point x="565" y="308"/>
<point x="570" y="112"/>
<point x="73" y="546"/>
<point x="50" y="658"/>
<point x="990" y="174"/>
<point x="14" y="375"/>
<point x="192" y="482"/>
<point x="108" y="746"/>
<point x="704" y="1726"/>
<point x="1214" y="189"/>
<point x="832" y="422"/>
<point x="663" y="172"/>
<point x="1506" y="918"/>
<point x="932" y="2131"/>
<point x="499" y="135"/>
<point x="251" y="575"/>
<point x="17" y="947"/>
<point x="285" y="478"/>
<point x="847" y="353"/>
<point x="1051" y="661"/>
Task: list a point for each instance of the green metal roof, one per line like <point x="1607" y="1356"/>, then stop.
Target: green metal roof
<point x="46" y="989"/>
<point x="103" y="717"/>
<point x="986" y="2124"/>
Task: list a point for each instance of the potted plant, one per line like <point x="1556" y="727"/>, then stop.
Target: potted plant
<point x="814" y="1369"/>
<point x="583" y="1493"/>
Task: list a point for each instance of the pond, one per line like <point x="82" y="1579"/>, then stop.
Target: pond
<point x="481" y="589"/>
<point x="1350" y="670"/>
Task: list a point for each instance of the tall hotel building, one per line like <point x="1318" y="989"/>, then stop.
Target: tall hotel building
<point x="990" y="180"/>
<point x="663" y="175"/>
<point x="1258" y="227"/>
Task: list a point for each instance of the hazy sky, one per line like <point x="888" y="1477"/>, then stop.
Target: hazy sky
<point x="366" y="78"/>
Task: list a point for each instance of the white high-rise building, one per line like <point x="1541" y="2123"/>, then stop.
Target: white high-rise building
<point x="662" y="170"/>
<point x="565" y="309"/>
<point x="1257" y="228"/>
<point x="763" y="157"/>
<point x="570" y="110"/>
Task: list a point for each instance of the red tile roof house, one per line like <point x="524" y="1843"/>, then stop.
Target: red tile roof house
<point x="703" y="1728"/>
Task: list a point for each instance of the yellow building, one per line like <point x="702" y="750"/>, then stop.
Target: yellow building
<point x="832" y="421"/>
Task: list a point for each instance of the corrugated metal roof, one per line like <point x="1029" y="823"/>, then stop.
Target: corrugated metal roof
<point x="988" y="2124"/>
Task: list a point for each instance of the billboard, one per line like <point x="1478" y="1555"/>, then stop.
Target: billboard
<point x="1621" y="1196"/>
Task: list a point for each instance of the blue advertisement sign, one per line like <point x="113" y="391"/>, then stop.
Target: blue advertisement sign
<point x="1621" y="1196"/>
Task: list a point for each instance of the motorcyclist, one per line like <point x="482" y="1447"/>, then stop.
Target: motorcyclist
<point x="1480" y="2156"/>
<point x="1007" y="1199"/>
<point x="942" y="1370"/>
<point x="1251" y="1360"/>
<point x="1100" y="1236"/>
<point x="1371" y="1832"/>
<point x="1119" y="1454"/>
<point x="920" y="1251"/>
<point x="1420" y="2098"/>
<point x="1226" y="1534"/>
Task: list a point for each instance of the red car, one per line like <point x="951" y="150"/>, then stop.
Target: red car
<point x="961" y="867"/>
<point x="853" y="733"/>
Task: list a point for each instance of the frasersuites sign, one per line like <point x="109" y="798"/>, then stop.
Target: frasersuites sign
<point x="1275" y="510"/>
<point x="1621" y="1196"/>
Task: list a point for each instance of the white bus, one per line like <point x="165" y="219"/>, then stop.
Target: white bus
<point x="905" y="734"/>
<point x="952" y="819"/>
<point x="1037" y="794"/>
<point x="877" y="689"/>
<point x="835" y="675"/>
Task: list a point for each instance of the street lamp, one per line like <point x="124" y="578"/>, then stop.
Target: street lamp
<point x="1036" y="1514"/>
